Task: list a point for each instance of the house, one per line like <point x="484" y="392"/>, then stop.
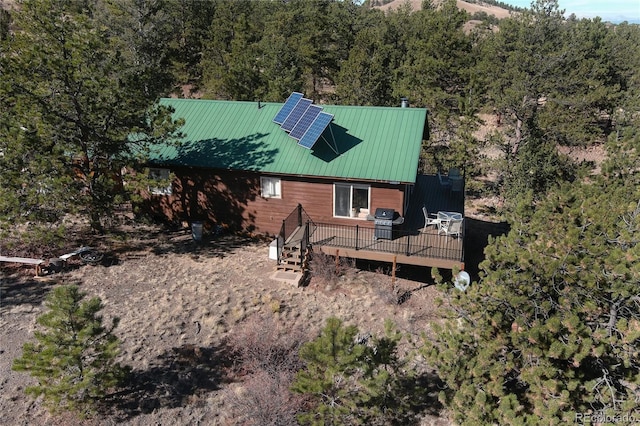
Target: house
<point x="238" y="167"/>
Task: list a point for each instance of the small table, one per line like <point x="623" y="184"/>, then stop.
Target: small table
<point x="446" y="216"/>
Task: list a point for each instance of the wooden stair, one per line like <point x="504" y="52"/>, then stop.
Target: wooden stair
<point x="291" y="260"/>
<point x="293" y="265"/>
<point x="291" y="268"/>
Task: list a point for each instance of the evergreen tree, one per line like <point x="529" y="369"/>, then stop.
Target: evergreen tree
<point x="74" y="356"/>
<point x="435" y="66"/>
<point x="552" y="329"/>
<point x="5" y="22"/>
<point x="230" y="57"/>
<point x="365" y="77"/>
<point x="435" y="71"/>
<point x="192" y="20"/>
<point x="141" y="32"/>
<point x="555" y="82"/>
<point x="354" y="379"/>
<point x="75" y="96"/>
<point x="282" y="67"/>
<point x="539" y="167"/>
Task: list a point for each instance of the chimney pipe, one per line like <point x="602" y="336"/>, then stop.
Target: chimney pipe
<point x="404" y="102"/>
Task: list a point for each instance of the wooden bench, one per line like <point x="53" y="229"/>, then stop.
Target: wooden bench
<point x="25" y="260"/>
<point x="56" y="264"/>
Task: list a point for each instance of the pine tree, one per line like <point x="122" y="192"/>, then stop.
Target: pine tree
<point x="354" y="379"/>
<point x="73" y="358"/>
<point x="75" y="89"/>
<point x="552" y="329"/>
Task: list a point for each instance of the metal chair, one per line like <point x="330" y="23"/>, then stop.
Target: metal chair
<point x="428" y="220"/>
<point x="451" y="227"/>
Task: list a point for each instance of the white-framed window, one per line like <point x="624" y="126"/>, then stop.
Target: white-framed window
<point x="270" y="187"/>
<point x="163" y="179"/>
<point x="351" y="200"/>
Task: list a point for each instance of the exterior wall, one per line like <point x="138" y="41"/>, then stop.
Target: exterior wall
<point x="316" y="197"/>
<point x="233" y="199"/>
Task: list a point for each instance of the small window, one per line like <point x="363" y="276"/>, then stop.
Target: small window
<point x="351" y="200"/>
<point x="163" y="179"/>
<point x="270" y="187"/>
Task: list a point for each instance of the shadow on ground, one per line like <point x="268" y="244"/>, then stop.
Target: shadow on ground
<point x="476" y="239"/>
<point x="423" y="391"/>
<point x="157" y="241"/>
<point x="174" y="379"/>
<point x="17" y="290"/>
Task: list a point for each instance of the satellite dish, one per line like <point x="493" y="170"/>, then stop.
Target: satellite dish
<point x="462" y="281"/>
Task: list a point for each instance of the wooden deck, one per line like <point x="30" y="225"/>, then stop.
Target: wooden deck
<point x="411" y="243"/>
<point x="424" y="248"/>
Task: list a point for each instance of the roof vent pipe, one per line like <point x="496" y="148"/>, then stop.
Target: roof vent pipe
<point x="404" y="102"/>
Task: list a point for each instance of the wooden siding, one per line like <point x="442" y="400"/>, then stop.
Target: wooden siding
<point x="316" y="197"/>
<point x="233" y="199"/>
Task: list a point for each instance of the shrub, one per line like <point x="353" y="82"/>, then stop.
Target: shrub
<point x="261" y="345"/>
<point x="329" y="268"/>
<point x="265" y="399"/>
<point x="269" y="358"/>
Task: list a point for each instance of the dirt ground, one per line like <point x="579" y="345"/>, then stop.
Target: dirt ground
<point x="177" y="300"/>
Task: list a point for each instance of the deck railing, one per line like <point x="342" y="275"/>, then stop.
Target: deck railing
<point x="409" y="243"/>
<point x="300" y="231"/>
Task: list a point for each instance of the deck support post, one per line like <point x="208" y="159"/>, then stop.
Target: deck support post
<point x="337" y="260"/>
<point x="393" y="271"/>
<point x="407" y="252"/>
<point x="281" y="236"/>
<point x="357" y="236"/>
<point x="299" y="214"/>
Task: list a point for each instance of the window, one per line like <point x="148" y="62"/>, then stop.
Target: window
<point x="270" y="187"/>
<point x="163" y="179"/>
<point x="350" y="200"/>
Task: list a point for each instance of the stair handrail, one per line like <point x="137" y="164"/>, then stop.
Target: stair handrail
<point x="306" y="220"/>
<point x="297" y="218"/>
<point x="304" y="243"/>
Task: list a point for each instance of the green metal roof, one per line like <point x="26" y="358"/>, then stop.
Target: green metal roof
<point x="375" y="143"/>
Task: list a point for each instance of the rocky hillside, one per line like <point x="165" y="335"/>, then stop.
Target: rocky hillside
<point x="472" y="8"/>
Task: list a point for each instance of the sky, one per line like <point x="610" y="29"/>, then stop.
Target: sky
<point x="614" y="11"/>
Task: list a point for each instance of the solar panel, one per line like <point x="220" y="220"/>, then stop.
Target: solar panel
<point x="291" y="102"/>
<point x="305" y="121"/>
<point x="312" y="135"/>
<point x="295" y="114"/>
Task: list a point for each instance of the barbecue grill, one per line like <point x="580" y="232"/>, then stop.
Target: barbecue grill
<point x="383" y="224"/>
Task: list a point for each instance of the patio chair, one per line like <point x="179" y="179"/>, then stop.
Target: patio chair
<point x="456" y="183"/>
<point x="428" y="220"/>
<point x="444" y="180"/>
<point x="451" y="227"/>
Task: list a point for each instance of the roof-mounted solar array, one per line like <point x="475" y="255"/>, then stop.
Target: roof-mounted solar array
<point x="312" y="135"/>
<point x="291" y="102"/>
<point x="304" y="122"/>
<point x="295" y="114"/>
